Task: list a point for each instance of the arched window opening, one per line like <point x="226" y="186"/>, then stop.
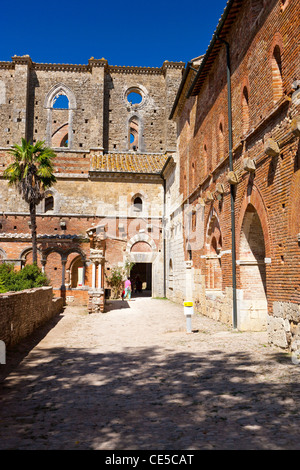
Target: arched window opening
<point x="138" y="204"/>
<point x="221" y="141"/>
<point x="193" y="174"/>
<point x="133" y="136"/>
<point x="277" y="74"/>
<point x="60" y="101"/>
<point x="49" y="203"/>
<point x="245" y="110"/>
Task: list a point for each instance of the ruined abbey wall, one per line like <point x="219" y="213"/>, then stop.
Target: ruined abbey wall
<point x="109" y="150"/>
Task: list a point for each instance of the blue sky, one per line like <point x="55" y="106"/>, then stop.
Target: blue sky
<point x="137" y="34"/>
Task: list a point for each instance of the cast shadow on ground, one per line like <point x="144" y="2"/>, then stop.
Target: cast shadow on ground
<point x="143" y="399"/>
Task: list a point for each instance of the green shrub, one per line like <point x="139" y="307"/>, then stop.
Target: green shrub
<point x="29" y="277"/>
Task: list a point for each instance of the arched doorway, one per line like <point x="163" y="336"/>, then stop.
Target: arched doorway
<point x="252" y="303"/>
<point x="141" y="273"/>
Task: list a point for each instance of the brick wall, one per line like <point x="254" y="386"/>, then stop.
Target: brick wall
<point x="22" y="312"/>
<point x="263" y="45"/>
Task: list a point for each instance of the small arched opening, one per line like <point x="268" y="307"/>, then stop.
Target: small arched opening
<point x="277" y="74"/>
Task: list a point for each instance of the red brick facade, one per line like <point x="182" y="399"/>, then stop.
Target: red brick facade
<point x="264" y="65"/>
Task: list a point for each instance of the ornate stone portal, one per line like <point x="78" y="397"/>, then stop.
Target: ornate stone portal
<point x="96" y="302"/>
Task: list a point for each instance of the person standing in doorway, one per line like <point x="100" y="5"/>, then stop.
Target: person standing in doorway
<point x="127" y="289"/>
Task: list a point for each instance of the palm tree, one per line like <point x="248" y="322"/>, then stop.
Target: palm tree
<point x="32" y="172"/>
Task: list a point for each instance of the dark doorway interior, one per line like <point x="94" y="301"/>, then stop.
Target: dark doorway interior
<point x="141" y="278"/>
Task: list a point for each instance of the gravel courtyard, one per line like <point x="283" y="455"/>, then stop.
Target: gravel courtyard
<point x="134" y="379"/>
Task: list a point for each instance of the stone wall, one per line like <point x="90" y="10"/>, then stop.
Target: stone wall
<point x="23" y="312"/>
<point x="99" y="111"/>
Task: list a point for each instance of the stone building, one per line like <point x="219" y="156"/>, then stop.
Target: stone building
<point x="234" y="193"/>
<point x="112" y="137"/>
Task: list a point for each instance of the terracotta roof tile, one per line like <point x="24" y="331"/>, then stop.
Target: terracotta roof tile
<point x="129" y="163"/>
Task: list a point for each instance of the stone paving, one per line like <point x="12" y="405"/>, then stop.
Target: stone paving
<point x="134" y="379"/>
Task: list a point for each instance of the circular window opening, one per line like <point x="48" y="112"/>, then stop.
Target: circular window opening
<point x="134" y="97"/>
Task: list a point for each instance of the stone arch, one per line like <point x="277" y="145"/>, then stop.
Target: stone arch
<point x="140" y="256"/>
<point x="3" y="255"/>
<point x="27" y="252"/>
<point x="58" y="89"/>
<point x="50" y="193"/>
<point x="138" y="203"/>
<point x="140" y="237"/>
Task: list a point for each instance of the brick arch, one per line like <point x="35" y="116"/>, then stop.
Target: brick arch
<point x="140" y="237"/>
<point x="212" y="223"/>
<point x="75" y="260"/>
<point x="59" y="135"/>
<point x="256" y="200"/>
<point x="213" y="265"/>
<point x="141" y="246"/>
<point x="276" y="68"/>
<point x="244" y="103"/>
<point x="27" y="253"/>
<point x="221" y="137"/>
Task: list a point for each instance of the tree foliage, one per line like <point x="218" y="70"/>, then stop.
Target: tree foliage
<point x="29" y="277"/>
<point x="31" y="172"/>
<point x="117" y="276"/>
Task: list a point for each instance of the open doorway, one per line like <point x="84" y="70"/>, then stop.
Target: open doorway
<point x="141" y="278"/>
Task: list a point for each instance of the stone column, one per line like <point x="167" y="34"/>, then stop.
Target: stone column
<point x="94" y="275"/>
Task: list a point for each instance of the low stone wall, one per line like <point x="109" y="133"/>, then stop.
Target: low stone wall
<point x="22" y="312"/>
<point x="284" y="326"/>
